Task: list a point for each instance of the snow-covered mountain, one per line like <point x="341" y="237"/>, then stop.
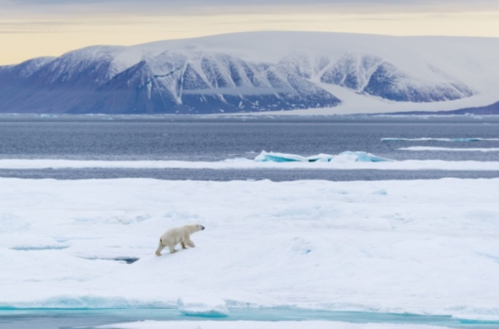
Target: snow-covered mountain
<point x="260" y="72"/>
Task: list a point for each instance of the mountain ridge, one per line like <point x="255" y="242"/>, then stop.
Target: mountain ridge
<point x="227" y="74"/>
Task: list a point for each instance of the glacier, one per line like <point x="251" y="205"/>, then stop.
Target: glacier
<point x="260" y="72"/>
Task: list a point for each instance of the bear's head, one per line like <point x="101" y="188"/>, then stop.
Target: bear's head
<point x="193" y="228"/>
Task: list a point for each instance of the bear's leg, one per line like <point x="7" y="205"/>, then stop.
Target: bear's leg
<point x="183" y="245"/>
<point x="172" y="249"/>
<point x="160" y="247"/>
<point x="189" y="243"/>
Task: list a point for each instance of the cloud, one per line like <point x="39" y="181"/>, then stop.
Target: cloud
<point x="214" y="7"/>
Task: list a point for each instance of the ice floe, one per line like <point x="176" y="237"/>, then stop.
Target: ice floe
<point x="202" y="306"/>
<point x="342" y="157"/>
<point x="422" y="246"/>
<point x="262" y="325"/>
<point x="431" y="139"/>
<point x="448" y="149"/>
<point x="343" y="161"/>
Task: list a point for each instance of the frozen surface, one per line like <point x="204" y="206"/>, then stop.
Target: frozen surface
<point x="449" y="149"/>
<point x="202" y="306"/>
<point x="426" y="247"/>
<point x="342" y="161"/>
<point x="261" y="325"/>
<point x="431" y="139"/>
<point x="342" y="157"/>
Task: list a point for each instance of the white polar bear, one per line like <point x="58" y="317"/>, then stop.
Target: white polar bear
<point x="177" y="235"/>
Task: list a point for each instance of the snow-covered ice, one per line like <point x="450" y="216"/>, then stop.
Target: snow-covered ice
<point x="343" y="161"/>
<point x="449" y="149"/>
<point x="342" y="157"/>
<point x="260" y="325"/>
<point x="423" y="246"/>
<point x="202" y="306"/>
<point x="432" y="139"/>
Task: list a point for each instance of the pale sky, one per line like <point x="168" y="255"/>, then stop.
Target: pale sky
<point x="33" y="28"/>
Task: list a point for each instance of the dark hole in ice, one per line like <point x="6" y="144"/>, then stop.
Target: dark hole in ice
<point x="128" y="260"/>
<point x="35" y="248"/>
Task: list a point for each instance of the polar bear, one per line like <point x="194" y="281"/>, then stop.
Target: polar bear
<point x="177" y="235"/>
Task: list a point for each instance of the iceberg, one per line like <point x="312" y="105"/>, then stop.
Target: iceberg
<point x="279" y="157"/>
<point x="347" y="156"/>
<point x="358" y="157"/>
<point x="205" y="306"/>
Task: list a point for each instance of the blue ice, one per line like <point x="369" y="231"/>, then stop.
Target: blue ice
<point x="349" y="155"/>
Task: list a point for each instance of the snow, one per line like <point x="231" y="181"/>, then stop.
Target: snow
<point x="203" y="306"/>
<point x="343" y="161"/>
<point x="432" y="139"/>
<point x="422" y="246"/>
<point x="260" y="325"/>
<point x="449" y="149"/>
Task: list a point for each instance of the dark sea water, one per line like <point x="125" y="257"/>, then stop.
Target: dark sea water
<point x="216" y="139"/>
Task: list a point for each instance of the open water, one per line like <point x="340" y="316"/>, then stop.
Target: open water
<point x="90" y="319"/>
<point x="216" y="139"/>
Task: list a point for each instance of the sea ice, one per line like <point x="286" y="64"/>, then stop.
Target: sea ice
<point x="358" y="157"/>
<point x="378" y="246"/>
<point x="262" y="325"/>
<point x="448" y="149"/>
<point x="347" y="156"/>
<point x="203" y="306"/>
<point x="430" y="139"/>
<point x="342" y="161"/>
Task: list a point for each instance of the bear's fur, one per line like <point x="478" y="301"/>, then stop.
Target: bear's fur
<point x="177" y="235"/>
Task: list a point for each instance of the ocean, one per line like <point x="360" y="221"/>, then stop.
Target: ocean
<point x="132" y="138"/>
<point x="92" y="224"/>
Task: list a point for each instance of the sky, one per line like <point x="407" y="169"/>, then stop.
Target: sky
<point x="34" y="28"/>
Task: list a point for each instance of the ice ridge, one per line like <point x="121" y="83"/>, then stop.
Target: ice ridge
<point x="347" y="156"/>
